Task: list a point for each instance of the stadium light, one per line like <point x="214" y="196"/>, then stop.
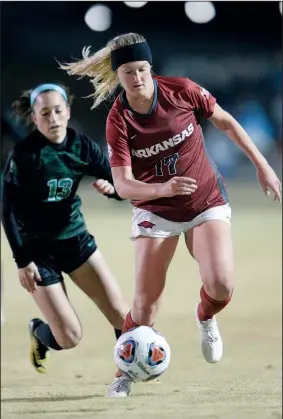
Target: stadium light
<point x="280" y="7"/>
<point x="200" y="12"/>
<point x="135" y="4"/>
<point x="98" y="18"/>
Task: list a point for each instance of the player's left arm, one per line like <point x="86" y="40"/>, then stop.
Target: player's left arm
<point x="203" y="102"/>
<point x="225" y="122"/>
<point x="99" y="167"/>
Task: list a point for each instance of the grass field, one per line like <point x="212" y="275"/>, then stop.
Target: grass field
<point x="246" y="384"/>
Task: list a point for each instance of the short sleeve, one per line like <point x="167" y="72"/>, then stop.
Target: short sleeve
<point x="200" y="99"/>
<point x="117" y="141"/>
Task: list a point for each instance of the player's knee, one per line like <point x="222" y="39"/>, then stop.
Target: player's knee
<point x="219" y="284"/>
<point x="70" y="337"/>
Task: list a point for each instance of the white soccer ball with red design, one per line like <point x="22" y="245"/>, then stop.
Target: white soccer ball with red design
<point x="142" y="353"/>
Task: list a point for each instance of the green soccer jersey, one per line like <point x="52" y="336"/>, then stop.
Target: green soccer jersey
<point x="46" y="177"/>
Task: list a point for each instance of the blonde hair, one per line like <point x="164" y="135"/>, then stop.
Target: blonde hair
<point x="98" y="67"/>
<point x="22" y="109"/>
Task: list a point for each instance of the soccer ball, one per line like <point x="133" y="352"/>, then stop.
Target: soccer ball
<point x="142" y="353"/>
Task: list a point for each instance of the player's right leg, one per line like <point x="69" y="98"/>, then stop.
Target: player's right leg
<point x="152" y="259"/>
<point x="62" y="330"/>
<point x="153" y="256"/>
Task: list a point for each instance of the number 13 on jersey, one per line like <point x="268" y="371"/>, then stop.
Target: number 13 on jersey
<point x="59" y="189"/>
<point x="169" y="162"/>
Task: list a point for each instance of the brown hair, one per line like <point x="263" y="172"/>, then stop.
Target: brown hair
<point x="98" y="66"/>
<point x="22" y="110"/>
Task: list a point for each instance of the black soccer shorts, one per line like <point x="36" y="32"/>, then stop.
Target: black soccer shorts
<point x="53" y="257"/>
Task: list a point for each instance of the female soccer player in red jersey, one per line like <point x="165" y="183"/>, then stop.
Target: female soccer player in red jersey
<point x="159" y="161"/>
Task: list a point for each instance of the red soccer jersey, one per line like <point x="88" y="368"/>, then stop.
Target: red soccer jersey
<point x="168" y="142"/>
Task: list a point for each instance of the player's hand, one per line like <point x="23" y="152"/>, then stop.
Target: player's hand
<point x="28" y="277"/>
<point x="178" y="185"/>
<point x="269" y="182"/>
<point x="104" y="187"/>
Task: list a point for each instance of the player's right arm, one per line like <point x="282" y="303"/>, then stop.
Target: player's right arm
<point x="120" y="161"/>
<point x="11" y="194"/>
<point x="21" y="251"/>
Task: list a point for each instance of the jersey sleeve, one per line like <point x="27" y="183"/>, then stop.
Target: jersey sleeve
<point x="12" y="169"/>
<point x="22" y="251"/>
<point x="99" y="166"/>
<point x="12" y="186"/>
<point x="98" y="163"/>
<point x="117" y="141"/>
<point x="200" y="99"/>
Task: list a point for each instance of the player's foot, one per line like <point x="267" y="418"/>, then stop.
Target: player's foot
<point x="211" y="342"/>
<point x="121" y="387"/>
<point x="39" y="353"/>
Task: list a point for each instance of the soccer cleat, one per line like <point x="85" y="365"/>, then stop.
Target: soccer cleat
<point x="39" y="353"/>
<point x="211" y="342"/>
<point x="121" y="387"/>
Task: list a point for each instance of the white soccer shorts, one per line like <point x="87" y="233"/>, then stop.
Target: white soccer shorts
<point x="145" y="223"/>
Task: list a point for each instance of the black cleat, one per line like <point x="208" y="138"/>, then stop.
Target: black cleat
<point x="39" y="353"/>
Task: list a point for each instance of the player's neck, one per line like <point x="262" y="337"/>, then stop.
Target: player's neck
<point x="142" y="101"/>
<point x="57" y="140"/>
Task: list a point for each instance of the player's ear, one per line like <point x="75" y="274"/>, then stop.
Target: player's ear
<point x="68" y="112"/>
<point x="33" y="117"/>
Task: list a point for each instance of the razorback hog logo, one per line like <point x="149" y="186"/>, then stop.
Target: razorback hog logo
<point x="164" y="145"/>
<point x="146" y="224"/>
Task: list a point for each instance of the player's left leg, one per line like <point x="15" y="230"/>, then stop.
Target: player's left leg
<point x="210" y="244"/>
<point x="94" y="277"/>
